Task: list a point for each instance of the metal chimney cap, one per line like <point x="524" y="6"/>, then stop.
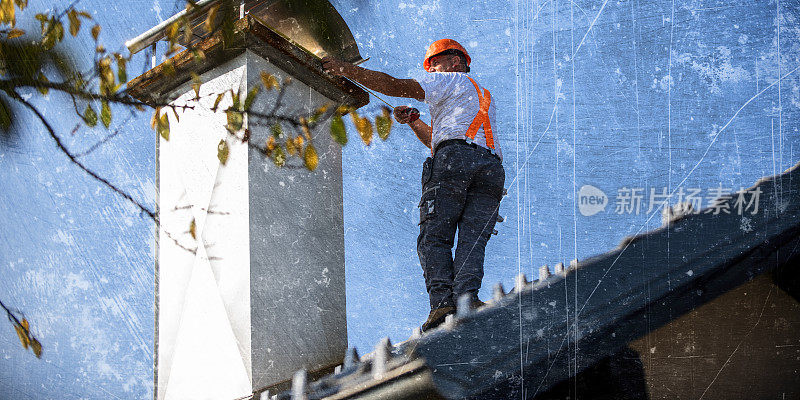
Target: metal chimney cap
<point x="314" y="25"/>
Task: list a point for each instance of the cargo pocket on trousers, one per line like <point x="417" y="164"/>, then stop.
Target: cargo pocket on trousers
<point x="427" y="205"/>
<point x="427" y="168"/>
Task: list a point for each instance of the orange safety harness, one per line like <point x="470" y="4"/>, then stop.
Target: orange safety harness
<point x="481" y="119"/>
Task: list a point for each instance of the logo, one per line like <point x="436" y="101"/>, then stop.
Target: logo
<point x="591" y="200"/>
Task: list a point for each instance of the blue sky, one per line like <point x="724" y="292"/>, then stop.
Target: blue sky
<point x="617" y="95"/>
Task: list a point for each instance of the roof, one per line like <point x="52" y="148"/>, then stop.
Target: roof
<point x="249" y="34"/>
<point x="597" y="303"/>
<point x="314" y="25"/>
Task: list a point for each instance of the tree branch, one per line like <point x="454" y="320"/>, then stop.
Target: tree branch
<point x="77" y="162"/>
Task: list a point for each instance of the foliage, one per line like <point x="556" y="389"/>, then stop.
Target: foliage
<point x="38" y="61"/>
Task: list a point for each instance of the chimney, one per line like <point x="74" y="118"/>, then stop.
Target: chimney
<point x="255" y="290"/>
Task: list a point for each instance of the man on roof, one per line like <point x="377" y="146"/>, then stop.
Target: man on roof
<point x="462" y="180"/>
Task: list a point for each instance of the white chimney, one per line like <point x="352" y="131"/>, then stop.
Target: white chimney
<point x="260" y="292"/>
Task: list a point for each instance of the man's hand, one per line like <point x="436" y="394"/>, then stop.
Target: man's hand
<point x="336" y="67"/>
<point x="405" y="115"/>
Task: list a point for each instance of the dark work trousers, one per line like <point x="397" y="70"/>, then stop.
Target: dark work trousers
<point x="462" y="186"/>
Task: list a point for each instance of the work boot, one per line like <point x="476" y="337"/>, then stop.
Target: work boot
<point x="437" y="316"/>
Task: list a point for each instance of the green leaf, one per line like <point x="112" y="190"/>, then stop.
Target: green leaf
<point x="223" y="151"/>
<point x="105" y="114"/>
<point x="276" y="130"/>
<point x="122" y="69"/>
<point x="90" y="116"/>
<point x="318" y="113"/>
<point x="43" y="89"/>
<point x="383" y="125"/>
<point x="216" y="102"/>
<point x="338" y="131"/>
<point x="196" y="84"/>
<point x="310" y="157"/>
<point x="5" y="116"/>
<point x="278" y="156"/>
<point x="235" y="97"/>
<point x="235" y="120"/>
<point x="251" y="96"/>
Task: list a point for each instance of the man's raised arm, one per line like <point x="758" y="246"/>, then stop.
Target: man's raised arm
<point x="377" y="81"/>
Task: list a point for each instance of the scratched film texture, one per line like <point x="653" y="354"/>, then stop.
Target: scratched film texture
<point x="614" y="94"/>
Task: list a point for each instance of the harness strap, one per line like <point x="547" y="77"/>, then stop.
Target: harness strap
<point x="481" y="119"/>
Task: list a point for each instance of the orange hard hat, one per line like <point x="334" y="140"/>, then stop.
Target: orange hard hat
<point x="440" y="46"/>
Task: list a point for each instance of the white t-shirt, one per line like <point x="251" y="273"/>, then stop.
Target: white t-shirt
<point x="453" y="105"/>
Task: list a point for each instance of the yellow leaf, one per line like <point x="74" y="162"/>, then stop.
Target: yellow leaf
<point x="290" y="147"/>
<point x="342" y="110"/>
<point x="270" y="81"/>
<point x="193" y="229"/>
<point x="15" y="33"/>
<point x="23" y="334"/>
<point x="198" y="55"/>
<point x="163" y="127"/>
<point x="36" y="347"/>
<point x="96" y="31"/>
<point x="7" y="13"/>
<point x="196" y="83"/>
<point x="318" y="113"/>
<point x="172" y="30"/>
<point x="169" y="69"/>
<point x="310" y="157"/>
<point x="212" y="16"/>
<point x="187" y="30"/>
<point x="222" y="151"/>
<point x="363" y="126"/>
<point x="304" y="126"/>
<point x="59" y="29"/>
<point x="154" y="120"/>
<point x="74" y="22"/>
